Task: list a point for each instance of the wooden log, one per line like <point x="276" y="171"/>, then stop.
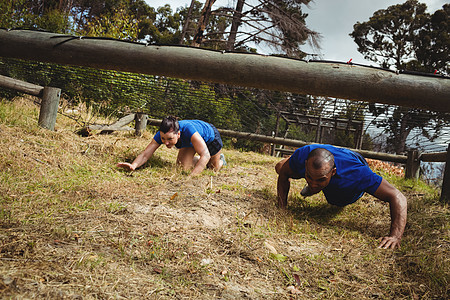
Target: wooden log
<point x="109" y="129"/>
<point x="116" y="126"/>
<point x="340" y="80"/>
<point x="295" y="143"/>
<point x="21" y="86"/>
<point x="49" y="107"/>
<point x="433" y="157"/>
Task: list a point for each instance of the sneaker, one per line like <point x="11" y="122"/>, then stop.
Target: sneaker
<point x="222" y="158"/>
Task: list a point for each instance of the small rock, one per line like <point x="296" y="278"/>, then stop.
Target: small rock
<point x="293" y="290"/>
<point x="270" y="247"/>
<point x="206" y="261"/>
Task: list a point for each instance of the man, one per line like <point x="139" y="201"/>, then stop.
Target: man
<point x="191" y="137"/>
<point x="344" y="177"/>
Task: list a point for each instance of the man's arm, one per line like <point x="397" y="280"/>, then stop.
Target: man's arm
<point x="200" y="147"/>
<point x="398" y="207"/>
<point x="284" y="184"/>
<point x="141" y="158"/>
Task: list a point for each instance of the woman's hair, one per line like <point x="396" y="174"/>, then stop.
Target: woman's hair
<point x="169" y="123"/>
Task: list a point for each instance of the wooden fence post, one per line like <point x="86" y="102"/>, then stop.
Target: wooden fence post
<point x="359" y="136"/>
<point x="412" y="165"/>
<point x="49" y="107"/>
<point x="277" y="128"/>
<point x="445" y="192"/>
<point x="319" y="130"/>
<point x="140" y="123"/>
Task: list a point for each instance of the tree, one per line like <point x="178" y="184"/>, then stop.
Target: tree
<point x="35" y="14"/>
<point x="279" y="24"/>
<point x="392" y="38"/>
<point x="432" y="45"/>
<point x="388" y="37"/>
<point x="118" y="24"/>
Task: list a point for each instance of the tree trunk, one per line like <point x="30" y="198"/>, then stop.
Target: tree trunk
<point x="404" y="130"/>
<point x="206" y="12"/>
<point x="235" y="25"/>
<point x="186" y="22"/>
<point x="337" y="80"/>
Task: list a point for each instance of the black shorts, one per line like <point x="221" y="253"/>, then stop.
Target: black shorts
<point x="216" y="144"/>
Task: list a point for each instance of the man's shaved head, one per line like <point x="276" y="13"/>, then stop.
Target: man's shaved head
<point x="321" y="158"/>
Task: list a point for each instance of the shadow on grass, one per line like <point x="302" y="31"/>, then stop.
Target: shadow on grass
<point x="316" y="209"/>
<point x="154" y="162"/>
<point x="321" y="212"/>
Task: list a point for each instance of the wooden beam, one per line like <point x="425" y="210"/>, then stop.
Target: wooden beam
<point x="338" y="80"/>
<point x="367" y="154"/>
<point x="301" y="116"/>
<point x="433" y="157"/>
<point x="21" y="86"/>
<point x="295" y="143"/>
<point x="116" y="126"/>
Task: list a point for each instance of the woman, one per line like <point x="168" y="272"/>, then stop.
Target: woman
<point x="191" y="137"/>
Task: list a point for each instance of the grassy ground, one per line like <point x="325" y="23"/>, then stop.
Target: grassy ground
<point x="73" y="226"/>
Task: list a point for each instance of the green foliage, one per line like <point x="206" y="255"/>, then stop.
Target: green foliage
<point x="34" y="15"/>
<point x="117" y="24"/>
<point x="432" y="45"/>
<point x="388" y="37"/>
<point x="407" y="37"/>
<point x="164" y="28"/>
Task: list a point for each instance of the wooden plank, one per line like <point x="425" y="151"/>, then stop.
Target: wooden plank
<point x="110" y="128"/>
<point x="301" y="116"/>
<point x="433" y="157"/>
<point x="116" y="126"/>
<point x="340" y="80"/>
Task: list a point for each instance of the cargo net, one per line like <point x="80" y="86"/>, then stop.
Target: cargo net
<point x="353" y="124"/>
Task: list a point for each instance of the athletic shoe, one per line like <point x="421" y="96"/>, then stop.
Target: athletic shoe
<point x="306" y="191"/>
<point x="222" y="158"/>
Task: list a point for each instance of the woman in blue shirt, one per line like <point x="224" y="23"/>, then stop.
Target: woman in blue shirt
<point x="190" y="137"/>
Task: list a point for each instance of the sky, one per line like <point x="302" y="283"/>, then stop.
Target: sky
<point x="333" y="19"/>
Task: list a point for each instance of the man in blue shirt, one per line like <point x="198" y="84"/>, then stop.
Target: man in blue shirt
<point x="344" y="177"/>
<point x="190" y="137"/>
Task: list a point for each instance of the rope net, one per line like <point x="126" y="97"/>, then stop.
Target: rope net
<point x="113" y="93"/>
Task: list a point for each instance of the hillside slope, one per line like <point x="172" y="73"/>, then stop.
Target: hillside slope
<point x="73" y="226"/>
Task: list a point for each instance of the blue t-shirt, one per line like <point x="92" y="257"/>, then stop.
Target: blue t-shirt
<point x="187" y="129"/>
<point x="353" y="177"/>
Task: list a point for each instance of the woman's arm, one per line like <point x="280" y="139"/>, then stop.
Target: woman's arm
<point x="141" y="158"/>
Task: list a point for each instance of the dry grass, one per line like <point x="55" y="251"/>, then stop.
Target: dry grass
<point x="73" y="226"/>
